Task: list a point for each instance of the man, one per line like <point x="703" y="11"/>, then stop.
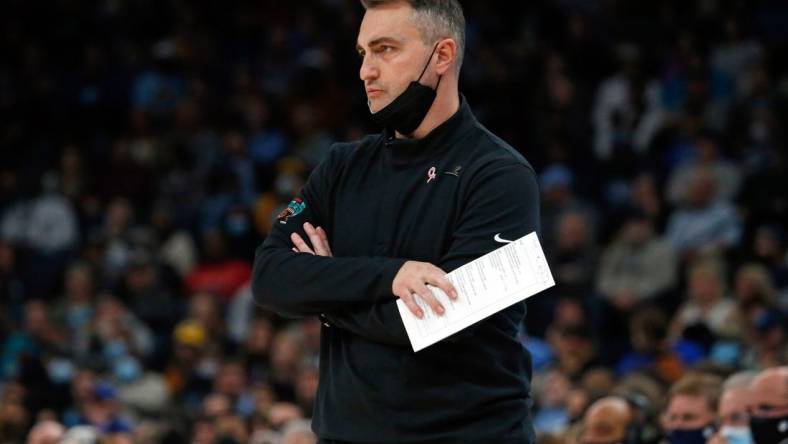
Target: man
<point x="606" y="421"/>
<point x="769" y="406"/>
<point x="732" y="414"/>
<point x="383" y="217"/>
<point x="691" y="409"/>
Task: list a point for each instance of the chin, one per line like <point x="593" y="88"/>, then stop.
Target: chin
<point x="376" y="105"/>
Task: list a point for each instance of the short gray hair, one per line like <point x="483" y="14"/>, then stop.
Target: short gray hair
<point x="740" y="379"/>
<point x="435" y="19"/>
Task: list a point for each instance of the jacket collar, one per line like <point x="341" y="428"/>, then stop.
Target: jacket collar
<point x="405" y="152"/>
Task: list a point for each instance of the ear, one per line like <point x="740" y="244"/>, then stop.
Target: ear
<point x="663" y="421"/>
<point x="447" y="56"/>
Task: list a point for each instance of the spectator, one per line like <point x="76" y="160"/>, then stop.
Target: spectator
<point x="607" y="420"/>
<point x="218" y="273"/>
<point x="46" y="432"/>
<point x="706" y="303"/>
<point x="637" y="266"/>
<point x="651" y="351"/>
<point x="298" y="432"/>
<point x="705" y="224"/>
<point x="724" y="175"/>
<point x="691" y="408"/>
<point x="733" y="413"/>
<point x="769" y="409"/>
<point x="574" y="256"/>
<point x="636" y="269"/>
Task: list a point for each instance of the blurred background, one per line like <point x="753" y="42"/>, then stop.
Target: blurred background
<point x="147" y="146"/>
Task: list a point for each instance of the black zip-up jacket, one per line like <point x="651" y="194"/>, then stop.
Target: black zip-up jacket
<point x="440" y="199"/>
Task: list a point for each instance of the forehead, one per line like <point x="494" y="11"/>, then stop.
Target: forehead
<point x="773" y="388"/>
<point x="687" y="404"/>
<point x="734" y="399"/>
<point x="389" y="21"/>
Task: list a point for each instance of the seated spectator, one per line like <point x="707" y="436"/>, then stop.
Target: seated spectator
<point x="636" y="269"/>
<point x="724" y="174"/>
<point x="101" y="410"/>
<point x="704" y="224"/>
<point x="755" y="295"/>
<point x="691" y="409"/>
<point x="648" y="336"/>
<point x="636" y="266"/>
<point x="46" y="432"/>
<point x="298" y="432"/>
<point x="556" y="183"/>
<point x="706" y="303"/>
<point x="733" y="413"/>
<point x="218" y="273"/>
<point x="769" y="346"/>
<point x="769" y="406"/>
<point x="574" y="349"/>
<point x="574" y="256"/>
<point x="769" y="250"/>
<point x="39" y="338"/>
<point x="608" y="420"/>
<point x="76" y="307"/>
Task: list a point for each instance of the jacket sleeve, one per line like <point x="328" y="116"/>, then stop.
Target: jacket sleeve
<point x="301" y="284"/>
<point x="487" y="211"/>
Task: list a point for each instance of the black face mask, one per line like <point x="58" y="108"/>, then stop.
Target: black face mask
<point x="769" y="430"/>
<point x="690" y="436"/>
<point x="405" y="113"/>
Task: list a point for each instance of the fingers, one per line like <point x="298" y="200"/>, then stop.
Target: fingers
<point x="414" y="308"/>
<point x="411" y="282"/>
<point x="439" y="279"/>
<point x="426" y="295"/>
<point x="300" y="244"/>
<point x="324" y="237"/>
<point x="319" y="239"/>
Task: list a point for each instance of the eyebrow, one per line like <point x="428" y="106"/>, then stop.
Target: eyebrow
<point x="377" y="42"/>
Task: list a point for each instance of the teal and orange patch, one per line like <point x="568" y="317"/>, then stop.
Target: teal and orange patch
<point x="294" y="208"/>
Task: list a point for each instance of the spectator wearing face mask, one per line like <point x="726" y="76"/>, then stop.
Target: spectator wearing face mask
<point x="691" y="409"/>
<point x="732" y="414"/>
<point x="769" y="406"/>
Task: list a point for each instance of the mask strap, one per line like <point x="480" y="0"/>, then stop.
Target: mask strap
<point x="428" y="64"/>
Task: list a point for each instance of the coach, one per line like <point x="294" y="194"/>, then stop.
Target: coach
<point x="382" y="217"/>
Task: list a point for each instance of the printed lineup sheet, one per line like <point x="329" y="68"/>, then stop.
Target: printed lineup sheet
<point x="484" y="286"/>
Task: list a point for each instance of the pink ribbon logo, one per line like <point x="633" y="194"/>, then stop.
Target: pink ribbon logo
<point x="431" y="174"/>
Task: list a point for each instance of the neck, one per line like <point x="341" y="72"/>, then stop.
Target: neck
<point x="447" y="102"/>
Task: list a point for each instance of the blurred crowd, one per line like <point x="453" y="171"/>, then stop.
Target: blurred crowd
<point x="146" y="148"/>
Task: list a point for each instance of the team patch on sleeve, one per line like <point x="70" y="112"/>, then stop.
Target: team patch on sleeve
<point x="294" y="208"/>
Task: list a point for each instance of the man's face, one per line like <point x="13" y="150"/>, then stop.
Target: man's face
<point x="392" y="51"/>
<point x="769" y="396"/>
<point x="604" y="424"/>
<point x="733" y="407"/>
<point x="686" y="412"/>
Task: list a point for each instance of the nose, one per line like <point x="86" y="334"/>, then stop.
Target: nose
<point x="368" y="70"/>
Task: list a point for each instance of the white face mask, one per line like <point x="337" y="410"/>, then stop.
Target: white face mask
<point x="736" y="435"/>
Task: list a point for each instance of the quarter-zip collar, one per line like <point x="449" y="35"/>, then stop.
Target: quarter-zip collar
<point x="409" y="152"/>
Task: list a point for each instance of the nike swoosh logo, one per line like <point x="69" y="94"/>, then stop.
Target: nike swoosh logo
<point x="498" y="238"/>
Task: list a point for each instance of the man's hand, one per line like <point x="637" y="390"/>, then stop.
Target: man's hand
<point x="318" y="238"/>
<point x="411" y="281"/>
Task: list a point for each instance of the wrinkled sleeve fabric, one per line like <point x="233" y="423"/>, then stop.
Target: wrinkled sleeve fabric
<point x="502" y="199"/>
<point x="300" y="284"/>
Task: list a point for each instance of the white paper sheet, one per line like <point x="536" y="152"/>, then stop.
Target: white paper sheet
<point x="485" y="286"/>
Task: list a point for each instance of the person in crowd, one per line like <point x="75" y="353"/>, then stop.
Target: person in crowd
<point x="691" y="409"/>
<point x="769" y="406"/>
<point x="734" y="410"/>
